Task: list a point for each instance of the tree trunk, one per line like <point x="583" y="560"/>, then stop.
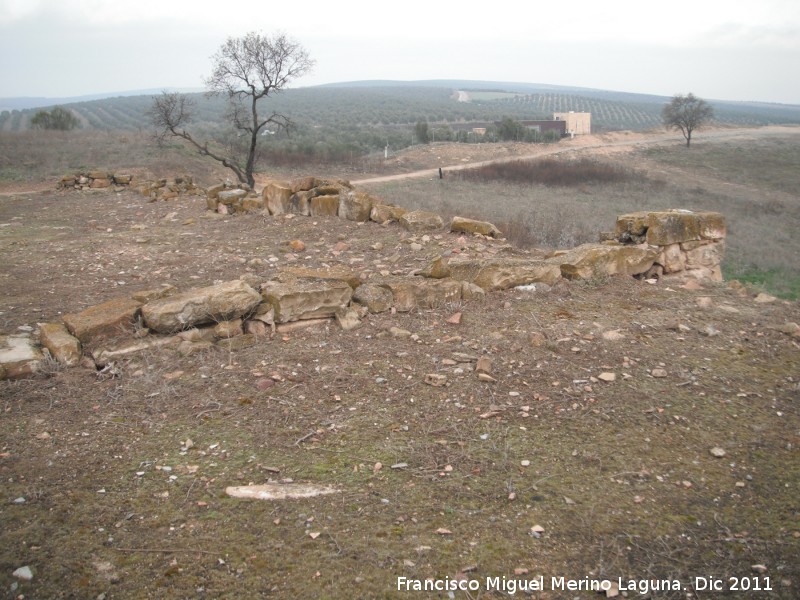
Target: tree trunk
<point x="251" y="154"/>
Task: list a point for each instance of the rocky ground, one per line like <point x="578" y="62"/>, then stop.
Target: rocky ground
<point x="611" y="429"/>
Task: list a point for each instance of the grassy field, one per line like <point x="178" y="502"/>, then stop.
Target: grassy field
<point x="337" y="110"/>
<point x="754" y="185"/>
<point x="684" y="466"/>
<point x="548" y="471"/>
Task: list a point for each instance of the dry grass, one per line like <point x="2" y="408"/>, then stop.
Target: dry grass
<point x="552" y="172"/>
<point x="33" y="157"/>
<point x="44" y="156"/>
<point x="762" y="244"/>
<point x="103" y="516"/>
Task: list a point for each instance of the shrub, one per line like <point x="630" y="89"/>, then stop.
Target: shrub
<point x="551" y="172"/>
<point x="59" y="119"/>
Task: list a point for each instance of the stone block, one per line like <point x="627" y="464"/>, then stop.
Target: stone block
<point x="502" y="273"/>
<point x="600" y="260"/>
<point x="676" y="226"/>
<point x="355" y="206"/>
<point x="708" y="254"/>
<point x="381" y="213"/>
<point x="231" y="197"/>
<point x="225" y="301"/>
<point x="334" y="273"/>
<point x="214" y="191"/>
<point x="145" y="296"/>
<point x="301" y="299"/>
<point x="63" y="346"/>
<point x="300" y="203"/>
<point x="324" y="206"/>
<point x="303" y="184"/>
<point x="375" y="297"/>
<point x="276" y="195"/>
<point x="252" y="204"/>
<point x="411" y="293"/>
<point x="463" y="225"/>
<point x="103" y="321"/>
<point x="420" y="220"/>
<point x="19" y="357"/>
<point x="672" y="258"/>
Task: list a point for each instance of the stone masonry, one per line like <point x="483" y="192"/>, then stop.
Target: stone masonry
<point x="238" y="313"/>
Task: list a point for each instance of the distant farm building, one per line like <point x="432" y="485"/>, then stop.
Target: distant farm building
<point x="563" y="123"/>
<point x="577" y="123"/>
<point x="559" y="127"/>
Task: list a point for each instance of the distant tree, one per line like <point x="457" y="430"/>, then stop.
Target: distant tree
<point x="510" y="130"/>
<point x="550" y="137"/>
<point x="421" y="132"/>
<point x="59" y="118"/>
<point x="686" y="113"/>
<point x="245" y="70"/>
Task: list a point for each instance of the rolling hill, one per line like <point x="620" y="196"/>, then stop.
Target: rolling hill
<point x="363" y="116"/>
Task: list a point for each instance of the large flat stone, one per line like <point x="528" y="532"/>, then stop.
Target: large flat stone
<point x="279" y="491"/>
<point x="103" y="321"/>
<point x="464" y="225"/>
<point x="498" y="273"/>
<point x="301" y="299"/>
<point x="411" y="293"/>
<point x="333" y="273"/>
<point x="19" y="357"/>
<point x="104" y="355"/>
<point x="420" y="220"/>
<point x="661" y="228"/>
<point x="600" y="260"/>
<point x="231" y="197"/>
<point x="222" y="302"/>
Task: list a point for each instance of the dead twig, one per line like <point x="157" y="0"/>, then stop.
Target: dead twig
<point x="304" y="438"/>
<point x="210" y="410"/>
<point x="335" y="543"/>
<point x="168" y="550"/>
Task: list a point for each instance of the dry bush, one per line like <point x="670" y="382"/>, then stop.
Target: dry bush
<point x="34" y="156"/>
<point x="552" y="172"/>
<point x="560" y="227"/>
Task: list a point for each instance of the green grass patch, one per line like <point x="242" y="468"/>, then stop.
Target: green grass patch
<point x="777" y="281"/>
<point x="772" y="163"/>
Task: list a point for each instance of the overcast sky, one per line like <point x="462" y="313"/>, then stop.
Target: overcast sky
<point x="745" y="50"/>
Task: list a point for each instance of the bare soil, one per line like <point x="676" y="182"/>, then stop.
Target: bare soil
<point x="104" y="497"/>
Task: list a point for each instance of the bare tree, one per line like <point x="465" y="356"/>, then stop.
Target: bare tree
<point x="687" y="113"/>
<point x="245" y="70"/>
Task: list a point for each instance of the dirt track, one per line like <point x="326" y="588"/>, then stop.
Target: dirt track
<point x="447" y="154"/>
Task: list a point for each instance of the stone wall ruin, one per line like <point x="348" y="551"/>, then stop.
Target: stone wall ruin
<point x="154" y="189"/>
<point x="238" y="313"/>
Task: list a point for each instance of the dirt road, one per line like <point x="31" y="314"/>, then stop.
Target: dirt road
<point x="594" y="144"/>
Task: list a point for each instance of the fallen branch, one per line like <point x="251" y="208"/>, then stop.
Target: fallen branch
<point x="167" y="550"/>
<point x="305" y="437"/>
